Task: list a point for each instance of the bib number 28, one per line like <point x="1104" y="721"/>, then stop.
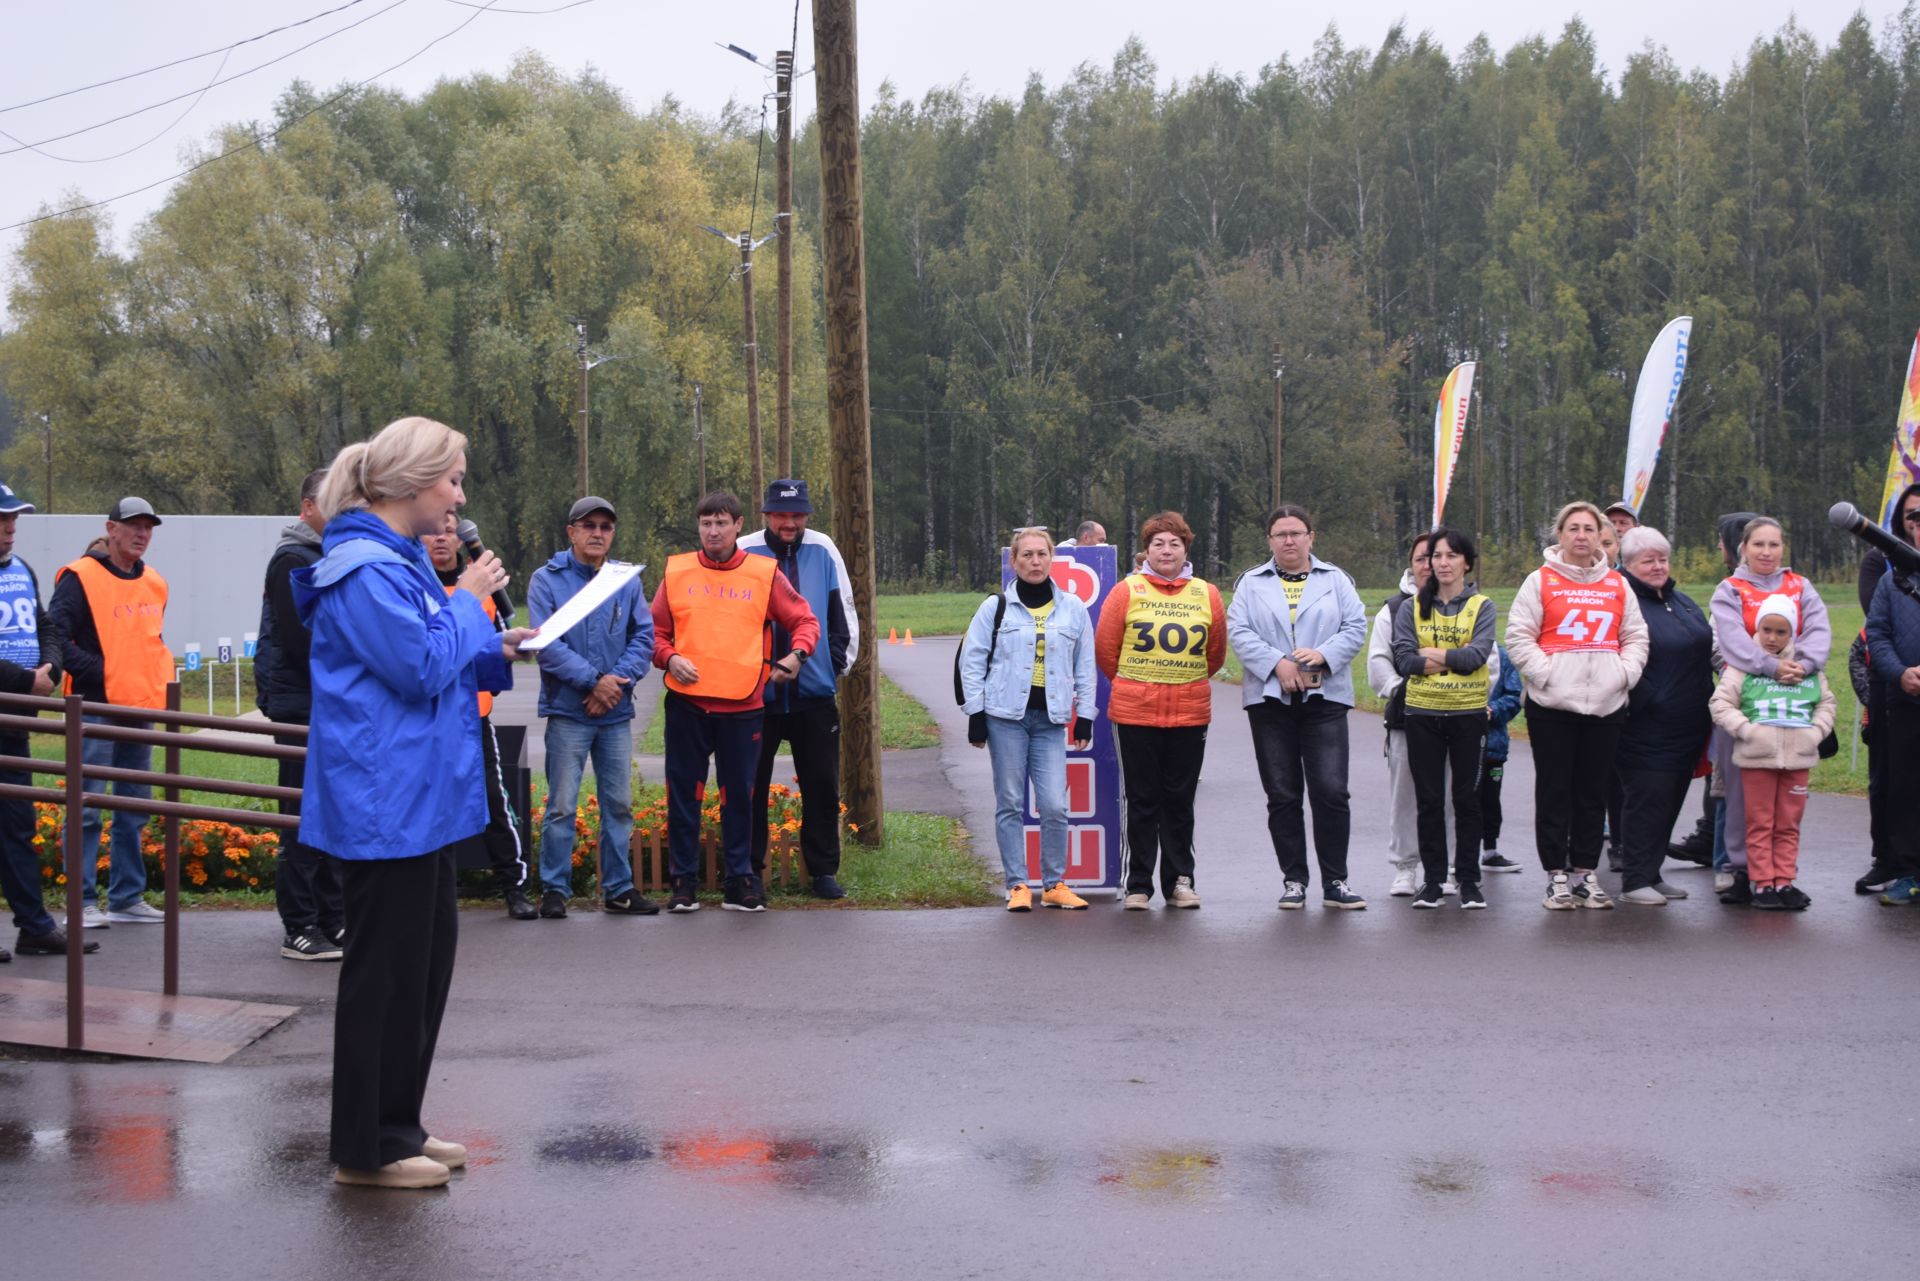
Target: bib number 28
<point x="1575" y="630"/>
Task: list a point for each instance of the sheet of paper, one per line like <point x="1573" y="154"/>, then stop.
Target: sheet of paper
<point x="596" y="593"/>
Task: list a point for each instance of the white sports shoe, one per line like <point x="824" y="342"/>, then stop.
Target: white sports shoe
<point x="140" y="913"/>
<point x="1405" y="883"/>
<point x="1449" y="888"/>
<point x="93" y="917"/>
<point x="1722" y="882"/>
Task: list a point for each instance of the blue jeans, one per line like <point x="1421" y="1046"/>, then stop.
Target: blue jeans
<point x="1719" y="834"/>
<point x="127" y="867"/>
<point x="569" y="744"/>
<point x="1030" y="750"/>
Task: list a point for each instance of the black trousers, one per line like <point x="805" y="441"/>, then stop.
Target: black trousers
<point x="1159" y="773"/>
<point x="306" y="883"/>
<point x="731" y="742"/>
<point x="501" y="837"/>
<point x="1879" y="801"/>
<point x="1652" y="803"/>
<point x="1616" y="802"/>
<point x="813" y="728"/>
<point x="1572" y="761"/>
<point x="1898" y="734"/>
<point x="403" y="930"/>
<point x="19" y="865"/>
<point x="1492" y="775"/>
<point x="1304" y="743"/>
<point x="1439" y="749"/>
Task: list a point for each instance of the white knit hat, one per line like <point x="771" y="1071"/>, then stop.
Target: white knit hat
<point x="1778" y="606"/>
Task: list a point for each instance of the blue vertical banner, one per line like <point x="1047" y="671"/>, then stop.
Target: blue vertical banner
<point x="1093" y="776"/>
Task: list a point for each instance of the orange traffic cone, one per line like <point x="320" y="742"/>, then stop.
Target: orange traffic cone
<point x="893" y="636"/>
<point x="909" y="639"/>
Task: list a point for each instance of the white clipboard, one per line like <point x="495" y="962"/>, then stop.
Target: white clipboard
<point x="598" y="591"/>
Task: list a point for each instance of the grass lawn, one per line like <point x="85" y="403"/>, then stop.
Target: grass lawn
<point x="925" y="614"/>
<point x="904" y="721"/>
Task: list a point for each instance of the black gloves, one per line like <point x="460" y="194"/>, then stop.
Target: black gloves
<point x="1082" y="730"/>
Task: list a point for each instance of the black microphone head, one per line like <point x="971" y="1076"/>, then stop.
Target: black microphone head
<point x="467" y="532"/>
<point x="1843" y="516"/>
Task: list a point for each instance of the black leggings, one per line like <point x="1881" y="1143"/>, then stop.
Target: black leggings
<point x="1439" y="747"/>
<point x="1572" y="763"/>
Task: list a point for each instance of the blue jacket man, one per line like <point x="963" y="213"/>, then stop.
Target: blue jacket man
<point x="802" y="712"/>
<point x="586" y="695"/>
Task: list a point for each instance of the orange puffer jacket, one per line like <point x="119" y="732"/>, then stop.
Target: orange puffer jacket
<point x="1144" y="702"/>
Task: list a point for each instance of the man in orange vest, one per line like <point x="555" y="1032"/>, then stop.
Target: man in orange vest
<point x="109" y="607"/>
<point x="501" y="837"/>
<point x="711" y="635"/>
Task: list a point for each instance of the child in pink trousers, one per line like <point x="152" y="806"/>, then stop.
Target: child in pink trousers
<point x="1776" y="730"/>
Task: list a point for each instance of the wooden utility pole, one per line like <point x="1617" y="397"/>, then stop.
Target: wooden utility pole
<point x="783" y="247"/>
<point x="700" y="439"/>
<point x="580" y="412"/>
<point x="1279" y="369"/>
<point x="750" y="343"/>
<point x="837" y="106"/>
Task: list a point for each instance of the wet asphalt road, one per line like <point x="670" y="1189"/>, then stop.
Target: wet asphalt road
<point x="1233" y="1092"/>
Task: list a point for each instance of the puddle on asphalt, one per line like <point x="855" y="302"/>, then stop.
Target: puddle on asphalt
<point x="597" y="1145"/>
<point x="1447" y="1178"/>
<point x="1164" y="1174"/>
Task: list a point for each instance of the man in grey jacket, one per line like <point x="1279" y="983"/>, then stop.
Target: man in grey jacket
<point x="586" y="694"/>
<point x="1296" y="623"/>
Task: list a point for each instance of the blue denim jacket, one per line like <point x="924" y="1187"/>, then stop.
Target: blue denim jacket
<point x="1332" y="620"/>
<point x="1002" y="690"/>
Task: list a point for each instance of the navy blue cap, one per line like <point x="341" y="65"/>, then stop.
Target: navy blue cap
<point x="787" y="496"/>
<point x="11" y="503"/>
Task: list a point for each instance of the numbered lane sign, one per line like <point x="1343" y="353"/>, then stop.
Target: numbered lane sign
<point x="226" y="649"/>
<point x="249" y="643"/>
<point x="192" y="658"/>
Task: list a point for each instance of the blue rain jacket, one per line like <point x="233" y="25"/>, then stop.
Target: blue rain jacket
<point x="393" y="760"/>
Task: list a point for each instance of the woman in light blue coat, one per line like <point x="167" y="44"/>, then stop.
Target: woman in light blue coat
<point x="1296" y="623"/>
<point x="1021" y="684"/>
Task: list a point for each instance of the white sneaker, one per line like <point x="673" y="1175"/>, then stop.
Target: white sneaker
<point x="1722" y="882"/>
<point x="1669" y="891"/>
<point x="1404" y="883"/>
<point x="1587" y="893"/>
<point x="1449" y="888"/>
<point x="1645" y="896"/>
<point x="93" y="917"/>
<point x="1183" y="894"/>
<point x="1559" y="893"/>
<point x="141" y="913"/>
<point x="1134" y="903"/>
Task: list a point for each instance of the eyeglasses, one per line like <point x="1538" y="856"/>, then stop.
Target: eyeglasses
<point x="1912" y="517"/>
<point x="594" y="526"/>
<point x="1290" y="535"/>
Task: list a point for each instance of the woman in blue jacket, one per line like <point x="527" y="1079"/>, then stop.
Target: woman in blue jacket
<point x="393" y="776"/>
<point x="1022" y="683"/>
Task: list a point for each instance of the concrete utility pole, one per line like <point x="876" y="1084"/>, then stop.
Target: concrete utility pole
<point x="837" y="104"/>
<point x="1279" y="369"/>
<point x="47" y="455"/>
<point x="700" y="438"/>
<point x="750" y="344"/>
<point x="783" y="227"/>
<point x="580" y="407"/>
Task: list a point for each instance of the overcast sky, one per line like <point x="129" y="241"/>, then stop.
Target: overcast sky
<point x="650" y="49"/>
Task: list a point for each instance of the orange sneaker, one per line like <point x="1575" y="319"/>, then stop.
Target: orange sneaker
<point x="1019" y="899"/>
<point x="1061" y="896"/>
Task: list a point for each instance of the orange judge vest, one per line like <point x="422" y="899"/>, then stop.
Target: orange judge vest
<point x="127" y="613"/>
<point x="720" y="623"/>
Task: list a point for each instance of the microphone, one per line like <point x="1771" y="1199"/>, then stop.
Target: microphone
<point x="1903" y="557"/>
<point x="469" y="535"/>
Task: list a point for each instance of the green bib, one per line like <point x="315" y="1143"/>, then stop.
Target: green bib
<point x="1766" y="701"/>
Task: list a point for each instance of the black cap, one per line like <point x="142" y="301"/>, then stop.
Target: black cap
<point x="131" y="508"/>
<point x="11" y="504"/>
<point x="787" y="496"/>
<point x="589" y="505"/>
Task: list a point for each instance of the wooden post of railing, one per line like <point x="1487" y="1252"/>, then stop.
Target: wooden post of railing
<point x="76" y="784"/>
<point x="170" y="972"/>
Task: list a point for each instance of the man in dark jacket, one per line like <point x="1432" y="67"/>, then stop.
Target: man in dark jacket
<point x="29" y="664"/>
<point x="1893" y="651"/>
<point x="306" y="884"/>
<point x="1873" y="568"/>
<point x="802" y="712"/>
<point x="1667" y="717"/>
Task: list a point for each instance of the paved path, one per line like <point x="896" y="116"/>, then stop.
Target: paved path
<point x="1234" y="1092"/>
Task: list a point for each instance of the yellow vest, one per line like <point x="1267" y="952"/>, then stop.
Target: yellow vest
<point x="1165" y="638"/>
<point x="1449" y="691"/>
<point x="720" y="623"/>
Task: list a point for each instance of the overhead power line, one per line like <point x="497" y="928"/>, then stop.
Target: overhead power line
<point x="180" y="62"/>
<point x="263" y="139"/>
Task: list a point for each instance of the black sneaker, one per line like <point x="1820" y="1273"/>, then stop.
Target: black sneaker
<point x="827" y="887"/>
<point x="1688" y="852"/>
<point x="52" y="943"/>
<point x="1795" y="898"/>
<point x="1876" y="880"/>
<point x="1337" y="895"/>
<point x="632" y="904"/>
<point x="1471" y="899"/>
<point x="336" y="936"/>
<point x="1613" y="859"/>
<point x="519" y="906"/>
<point x="1499" y="863"/>
<point x="1740" y="893"/>
<point x="310" y="945"/>
<point x="742" y="894"/>
<point x="1767" y="900"/>
<point x="683" y="898"/>
<point x="1429" y="896"/>
<point x="553" y="905"/>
